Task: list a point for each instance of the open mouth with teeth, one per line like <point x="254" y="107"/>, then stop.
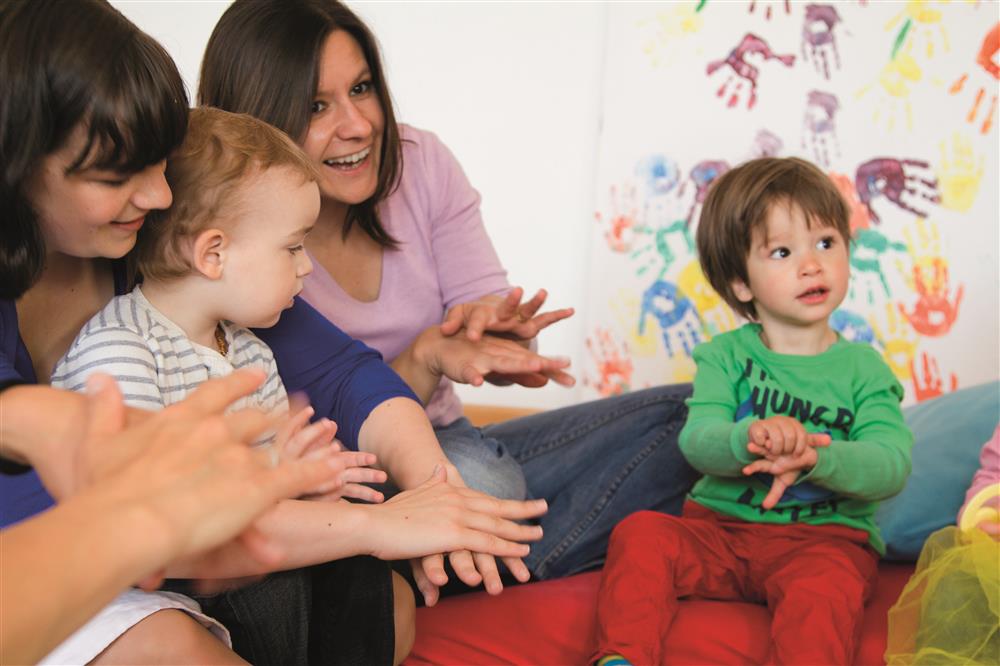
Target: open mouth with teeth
<point x="814" y="295"/>
<point x="349" y="162"/>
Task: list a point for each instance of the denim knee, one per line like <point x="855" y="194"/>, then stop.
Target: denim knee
<point x="484" y="462"/>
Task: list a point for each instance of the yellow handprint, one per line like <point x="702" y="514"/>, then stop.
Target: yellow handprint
<point x="666" y="28"/>
<point x="899" y="343"/>
<point x="626" y="310"/>
<point x="959" y="176"/>
<point x="715" y="315"/>
<point x="920" y="19"/>
<point x="896" y="80"/>
<point x="924" y="251"/>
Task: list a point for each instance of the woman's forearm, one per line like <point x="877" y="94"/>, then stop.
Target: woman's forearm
<point x="33" y="418"/>
<point x="61" y="567"/>
<point x="306" y="532"/>
<point x="398" y="432"/>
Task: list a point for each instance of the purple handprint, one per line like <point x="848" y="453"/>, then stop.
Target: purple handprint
<point x="766" y="144"/>
<point x="679" y="323"/>
<point x="702" y="175"/>
<point x="743" y="71"/>
<point x="821" y="125"/>
<point x="888" y="177"/>
<point x="818" y="40"/>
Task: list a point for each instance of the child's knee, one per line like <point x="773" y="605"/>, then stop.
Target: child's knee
<point x="168" y="637"/>
<point x="640" y="527"/>
<point x="404" y="617"/>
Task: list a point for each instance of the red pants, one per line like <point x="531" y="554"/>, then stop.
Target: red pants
<point x="814" y="579"/>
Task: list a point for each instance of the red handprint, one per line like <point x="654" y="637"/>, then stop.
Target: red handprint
<point x="743" y="71"/>
<point x="934" y="313"/>
<point x="613" y="367"/>
<point x="929" y="385"/>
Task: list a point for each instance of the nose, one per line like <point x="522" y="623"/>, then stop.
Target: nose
<point x="351" y="123"/>
<point x="305" y="265"/>
<point x="152" y="191"/>
<point x="810" y="264"/>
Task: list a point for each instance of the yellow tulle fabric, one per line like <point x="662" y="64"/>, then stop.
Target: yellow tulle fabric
<point x="949" y="611"/>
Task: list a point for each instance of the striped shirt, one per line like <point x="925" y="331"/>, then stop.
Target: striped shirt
<point x="156" y="364"/>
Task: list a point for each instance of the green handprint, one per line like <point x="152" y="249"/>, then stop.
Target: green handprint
<point x="866" y="259"/>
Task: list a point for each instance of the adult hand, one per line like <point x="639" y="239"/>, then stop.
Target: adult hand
<point x="188" y="469"/>
<point x="487" y="359"/>
<point x="440" y="517"/>
<point x="502" y="314"/>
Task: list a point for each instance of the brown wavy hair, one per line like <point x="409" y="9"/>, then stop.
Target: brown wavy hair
<point x="263" y="59"/>
<point x="737" y="205"/>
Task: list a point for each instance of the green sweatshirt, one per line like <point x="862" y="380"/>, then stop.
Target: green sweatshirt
<point x="847" y="391"/>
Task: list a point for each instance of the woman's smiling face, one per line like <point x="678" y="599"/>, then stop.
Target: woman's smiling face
<point x="93" y="212"/>
<point x="346" y="127"/>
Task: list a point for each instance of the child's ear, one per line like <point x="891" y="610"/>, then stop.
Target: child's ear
<point x="209" y="250"/>
<point x="741" y="291"/>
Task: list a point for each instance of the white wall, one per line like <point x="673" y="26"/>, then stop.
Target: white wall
<point x="519" y="92"/>
<point x="513" y="89"/>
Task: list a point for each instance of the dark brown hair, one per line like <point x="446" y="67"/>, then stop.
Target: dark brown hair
<point x="737" y="205"/>
<point x="64" y="64"/>
<point x="220" y="154"/>
<point x="263" y="59"/>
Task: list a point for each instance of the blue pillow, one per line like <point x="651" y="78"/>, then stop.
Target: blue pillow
<point x="949" y="433"/>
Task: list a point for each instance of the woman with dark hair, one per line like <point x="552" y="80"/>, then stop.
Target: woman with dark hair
<point x="90" y="108"/>
<point x="399" y="248"/>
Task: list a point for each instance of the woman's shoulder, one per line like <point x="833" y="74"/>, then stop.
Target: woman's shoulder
<point x="426" y="149"/>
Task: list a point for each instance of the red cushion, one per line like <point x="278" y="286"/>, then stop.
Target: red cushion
<point x="553" y="623"/>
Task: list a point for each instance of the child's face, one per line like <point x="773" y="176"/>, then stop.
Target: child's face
<point x="798" y="275"/>
<point x="265" y="261"/>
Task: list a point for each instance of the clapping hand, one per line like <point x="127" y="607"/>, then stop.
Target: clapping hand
<point x="504" y="315"/>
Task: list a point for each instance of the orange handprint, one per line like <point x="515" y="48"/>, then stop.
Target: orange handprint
<point x="928" y="384"/>
<point x="624" y="217"/>
<point x="614" y="367"/>
<point x="985" y="59"/>
<point x="934" y="313"/>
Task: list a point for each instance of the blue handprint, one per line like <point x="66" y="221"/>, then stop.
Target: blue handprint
<point x="679" y="323"/>
<point x="852" y="326"/>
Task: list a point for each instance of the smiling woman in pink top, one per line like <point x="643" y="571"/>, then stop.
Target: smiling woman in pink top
<point x="403" y="262"/>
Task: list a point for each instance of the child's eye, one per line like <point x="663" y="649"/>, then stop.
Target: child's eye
<point x="317" y="106"/>
<point x="826" y="242"/>
<point x="779" y="253"/>
<point x="361" y="88"/>
<point x="295" y="249"/>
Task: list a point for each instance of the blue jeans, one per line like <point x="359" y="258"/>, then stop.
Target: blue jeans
<point x="594" y="463"/>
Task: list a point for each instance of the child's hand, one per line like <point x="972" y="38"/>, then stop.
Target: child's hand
<point x="355" y="472"/>
<point x="991" y="527"/>
<point x="785" y="468"/>
<point x="779" y="435"/>
<point x="297" y="438"/>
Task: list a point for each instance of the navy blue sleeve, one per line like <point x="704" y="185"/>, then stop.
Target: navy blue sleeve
<point x="21" y="492"/>
<point x="344" y="378"/>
